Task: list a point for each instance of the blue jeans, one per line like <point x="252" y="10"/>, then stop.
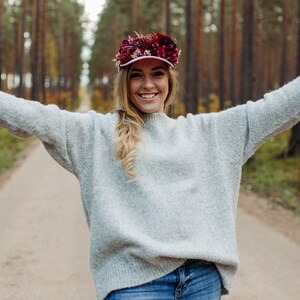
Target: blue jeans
<point x="194" y="280"/>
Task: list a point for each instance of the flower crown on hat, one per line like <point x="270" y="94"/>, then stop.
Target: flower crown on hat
<point x="156" y="45"/>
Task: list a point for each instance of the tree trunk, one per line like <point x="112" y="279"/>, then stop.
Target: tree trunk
<point x="293" y="149"/>
<point x="284" y="34"/>
<point x="1" y="40"/>
<point x="294" y="142"/>
<point x="248" y="77"/>
<point x="43" y="34"/>
<point x="39" y="50"/>
<point x="20" y="58"/>
<point x="210" y="60"/>
<point x="260" y="48"/>
<point x="167" y="26"/>
<point x="298" y="50"/>
<point x="233" y="54"/>
<point x="191" y="79"/>
<point x="35" y="91"/>
<point x="167" y="17"/>
<point x="203" y="86"/>
<point x="213" y="51"/>
<point x="222" y="55"/>
<point x="61" y="50"/>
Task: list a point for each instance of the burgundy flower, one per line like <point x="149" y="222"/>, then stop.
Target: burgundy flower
<point x="152" y="44"/>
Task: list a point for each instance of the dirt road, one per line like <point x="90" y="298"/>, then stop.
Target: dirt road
<point x="269" y="263"/>
<point x="43" y="235"/>
<point x="44" y="242"/>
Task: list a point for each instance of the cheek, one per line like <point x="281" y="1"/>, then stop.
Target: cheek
<point x="133" y="88"/>
<point x="130" y="88"/>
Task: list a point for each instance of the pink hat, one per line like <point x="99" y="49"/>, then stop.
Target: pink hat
<point x="153" y="45"/>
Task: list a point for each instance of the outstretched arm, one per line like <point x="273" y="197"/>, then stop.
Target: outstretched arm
<point x="54" y="127"/>
<point x="242" y="129"/>
<point x="25" y="118"/>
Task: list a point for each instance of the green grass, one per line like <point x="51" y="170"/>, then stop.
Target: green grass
<point x="10" y="149"/>
<point x="274" y="178"/>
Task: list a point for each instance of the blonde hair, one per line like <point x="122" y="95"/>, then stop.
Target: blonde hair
<point x="130" y="120"/>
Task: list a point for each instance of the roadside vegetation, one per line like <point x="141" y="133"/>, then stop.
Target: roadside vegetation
<point x="10" y="150"/>
<point x="276" y="178"/>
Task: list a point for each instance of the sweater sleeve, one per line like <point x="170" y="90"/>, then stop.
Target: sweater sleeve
<point x="57" y="129"/>
<point x="242" y="129"/>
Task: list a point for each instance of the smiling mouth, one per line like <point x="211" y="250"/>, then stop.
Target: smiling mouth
<point x="148" y="96"/>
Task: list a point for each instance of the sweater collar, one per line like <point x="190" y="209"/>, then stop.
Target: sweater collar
<point x="156" y="118"/>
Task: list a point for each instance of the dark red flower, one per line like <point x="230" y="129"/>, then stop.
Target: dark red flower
<point x="152" y="44"/>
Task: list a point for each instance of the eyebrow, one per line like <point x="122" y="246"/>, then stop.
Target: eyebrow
<point x="153" y="69"/>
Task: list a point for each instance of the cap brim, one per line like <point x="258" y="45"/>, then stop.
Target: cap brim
<point x="147" y="57"/>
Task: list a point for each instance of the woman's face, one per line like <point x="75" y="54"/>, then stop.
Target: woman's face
<point x="148" y="85"/>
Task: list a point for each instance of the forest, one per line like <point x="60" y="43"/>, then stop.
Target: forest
<point x="40" y="49"/>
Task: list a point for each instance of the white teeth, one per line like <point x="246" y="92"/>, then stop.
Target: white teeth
<point x="148" y="96"/>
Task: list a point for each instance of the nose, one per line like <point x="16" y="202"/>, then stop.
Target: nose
<point x="148" y="83"/>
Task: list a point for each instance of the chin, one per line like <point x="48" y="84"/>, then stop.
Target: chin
<point x="149" y="111"/>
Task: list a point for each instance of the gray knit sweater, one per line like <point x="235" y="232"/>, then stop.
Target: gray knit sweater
<point x="183" y="203"/>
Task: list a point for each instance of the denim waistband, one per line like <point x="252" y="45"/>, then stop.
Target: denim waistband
<point x="197" y="261"/>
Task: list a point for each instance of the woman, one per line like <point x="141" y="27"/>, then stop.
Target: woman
<point x="159" y="194"/>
